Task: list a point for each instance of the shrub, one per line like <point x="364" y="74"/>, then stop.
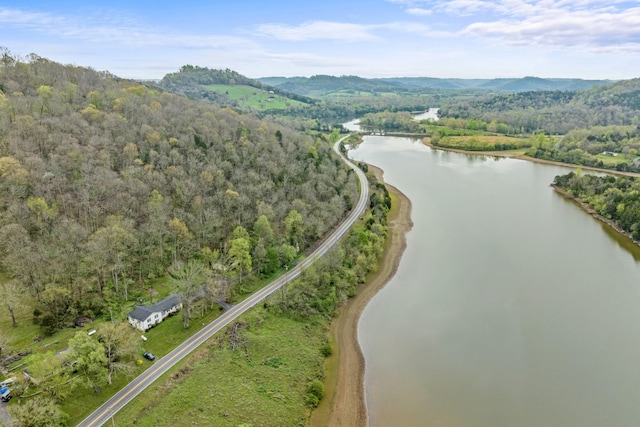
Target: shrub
<point x="326" y="350"/>
<point x="315" y="392"/>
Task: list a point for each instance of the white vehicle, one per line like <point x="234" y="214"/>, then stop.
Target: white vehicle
<point x="8" y="382"/>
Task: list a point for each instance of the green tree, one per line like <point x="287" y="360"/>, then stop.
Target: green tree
<point x="88" y="357"/>
<point x="294" y="228"/>
<point x="239" y="255"/>
<point x="38" y="412"/>
<point x="59" y="302"/>
<point x="189" y="279"/>
<point x="121" y="346"/>
<point x="181" y="236"/>
<point x="262" y="229"/>
<point x="109" y="249"/>
<point x="50" y="376"/>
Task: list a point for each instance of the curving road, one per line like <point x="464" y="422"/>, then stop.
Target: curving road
<point x="135" y="387"/>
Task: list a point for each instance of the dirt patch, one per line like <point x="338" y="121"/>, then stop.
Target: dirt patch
<point x="344" y="404"/>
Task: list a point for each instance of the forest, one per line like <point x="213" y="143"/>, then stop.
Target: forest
<point x="615" y="198"/>
<point x="116" y="192"/>
<point x="113" y="191"/>
<point x="554" y="112"/>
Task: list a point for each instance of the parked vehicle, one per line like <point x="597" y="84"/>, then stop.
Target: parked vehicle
<point x="148" y="355"/>
<point x="8" y="382"/>
<point x="5" y="394"/>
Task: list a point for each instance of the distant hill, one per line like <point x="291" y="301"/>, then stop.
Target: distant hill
<point x="322" y="85"/>
<point x="229" y="88"/>
<point x="553" y="111"/>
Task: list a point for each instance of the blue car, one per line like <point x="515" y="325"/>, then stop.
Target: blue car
<point x="5" y="394"/>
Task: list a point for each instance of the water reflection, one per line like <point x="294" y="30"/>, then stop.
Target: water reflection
<point x="510" y="307"/>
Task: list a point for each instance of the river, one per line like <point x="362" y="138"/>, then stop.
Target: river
<point x="511" y="305"/>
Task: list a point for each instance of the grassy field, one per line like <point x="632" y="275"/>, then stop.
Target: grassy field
<point x="610" y="161"/>
<point x="160" y="341"/>
<point x="264" y="384"/>
<point x="254" y="98"/>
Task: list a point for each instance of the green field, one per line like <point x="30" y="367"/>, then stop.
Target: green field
<point x="255" y="98"/>
<point x="612" y="161"/>
<point x="265" y="381"/>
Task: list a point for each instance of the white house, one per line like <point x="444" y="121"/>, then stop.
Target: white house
<point x="143" y="317"/>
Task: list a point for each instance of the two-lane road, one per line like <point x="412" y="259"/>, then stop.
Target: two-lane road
<point x="163" y="364"/>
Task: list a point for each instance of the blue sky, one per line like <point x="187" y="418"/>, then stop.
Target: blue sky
<point x="591" y="39"/>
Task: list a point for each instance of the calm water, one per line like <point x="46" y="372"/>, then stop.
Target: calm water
<point x="431" y="113"/>
<point x="511" y="306"/>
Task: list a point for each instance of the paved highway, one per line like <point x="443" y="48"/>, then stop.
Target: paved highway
<point x="135" y="387"/>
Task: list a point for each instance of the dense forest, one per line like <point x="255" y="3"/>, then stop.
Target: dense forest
<point x="112" y="189"/>
<point x="107" y="183"/>
<point x="615" y="198"/>
<point x="610" y="147"/>
<point x="554" y="112"/>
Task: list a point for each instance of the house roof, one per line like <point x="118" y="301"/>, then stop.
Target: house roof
<point x="143" y="312"/>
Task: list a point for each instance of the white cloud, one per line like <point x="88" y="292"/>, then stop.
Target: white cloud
<point x="596" y="25"/>
<point x="128" y="33"/>
<point x="317" y="30"/>
<point x="561" y="27"/>
<point x="324" y="30"/>
<point x="419" y="11"/>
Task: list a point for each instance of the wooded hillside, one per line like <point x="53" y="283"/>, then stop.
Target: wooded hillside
<point x="554" y="112"/>
<point x="106" y="183"/>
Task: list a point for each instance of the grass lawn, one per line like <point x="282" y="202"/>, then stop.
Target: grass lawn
<point x="170" y="333"/>
<point x="263" y="385"/>
<point x="255" y="98"/>
<point x="609" y="161"/>
<point x="160" y="341"/>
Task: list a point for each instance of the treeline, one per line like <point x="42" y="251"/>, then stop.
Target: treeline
<point x="106" y="183"/>
<point x="611" y="147"/>
<point x="616" y="198"/>
<point x="390" y="121"/>
<point x="336" y="277"/>
<point x="554" y="112"/>
<point x="404" y="121"/>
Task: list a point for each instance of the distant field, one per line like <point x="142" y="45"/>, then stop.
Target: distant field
<point x="255" y="98"/>
<point x="482" y="142"/>
<point x="615" y="160"/>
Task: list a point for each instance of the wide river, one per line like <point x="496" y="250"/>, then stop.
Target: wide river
<point x="511" y="306"/>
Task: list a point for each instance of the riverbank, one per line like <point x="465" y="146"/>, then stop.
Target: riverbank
<point x="587" y="208"/>
<point x="344" y="404"/>
<point x="520" y="154"/>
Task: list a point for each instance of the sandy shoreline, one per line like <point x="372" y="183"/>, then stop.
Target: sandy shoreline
<point x="344" y="403"/>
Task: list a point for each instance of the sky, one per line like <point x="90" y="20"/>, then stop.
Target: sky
<point x="141" y="39"/>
